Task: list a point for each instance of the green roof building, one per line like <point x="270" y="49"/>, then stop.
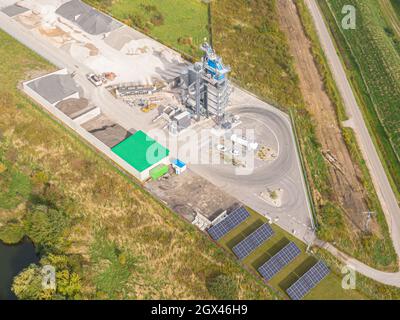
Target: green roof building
<point x="141" y="151"/>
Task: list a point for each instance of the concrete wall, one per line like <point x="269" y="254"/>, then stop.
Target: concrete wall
<point x="89" y="137"/>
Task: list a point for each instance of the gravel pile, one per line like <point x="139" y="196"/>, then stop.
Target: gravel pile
<point x="87" y="18"/>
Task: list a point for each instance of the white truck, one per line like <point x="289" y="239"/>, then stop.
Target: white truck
<point x="95" y="79"/>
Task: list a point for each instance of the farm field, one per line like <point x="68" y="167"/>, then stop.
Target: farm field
<point x="113" y="239"/>
<point x="181" y="24"/>
<point x="396" y="6"/>
<point x="390" y="10"/>
<point x="371" y="56"/>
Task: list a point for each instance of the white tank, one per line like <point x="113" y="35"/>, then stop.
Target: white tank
<point x="244" y="142"/>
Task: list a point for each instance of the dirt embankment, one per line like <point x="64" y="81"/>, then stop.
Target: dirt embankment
<point x="344" y="174"/>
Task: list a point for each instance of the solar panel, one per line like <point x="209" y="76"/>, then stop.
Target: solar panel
<point x="308" y="281"/>
<point x="270" y="268"/>
<point x="252" y="241"/>
<point x="231" y="221"/>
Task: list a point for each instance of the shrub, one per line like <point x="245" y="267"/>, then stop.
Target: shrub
<point x="222" y="287"/>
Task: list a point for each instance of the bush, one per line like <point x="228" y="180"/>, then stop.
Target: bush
<point x="115" y="267"/>
<point x="45" y="227"/>
<point x="27" y="285"/>
<point x="222" y="287"/>
<point x="11" y="233"/>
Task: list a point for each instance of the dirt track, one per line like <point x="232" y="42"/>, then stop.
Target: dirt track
<point x="345" y="177"/>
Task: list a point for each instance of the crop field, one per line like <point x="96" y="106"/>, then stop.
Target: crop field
<point x="329" y="288"/>
<point x="80" y="210"/>
<point x="396" y="7"/>
<point x="389" y="9"/>
<point x="181" y="24"/>
<point x="372" y="58"/>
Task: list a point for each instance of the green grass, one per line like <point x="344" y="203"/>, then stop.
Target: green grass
<point x="184" y="23"/>
<point x="368" y="287"/>
<point x="15" y="188"/>
<point x="114" y="267"/>
<point x="329" y="288"/>
<point x="248" y="37"/>
<point x="373" y="64"/>
<point x="12" y="233"/>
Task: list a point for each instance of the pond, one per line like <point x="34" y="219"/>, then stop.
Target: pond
<point x="13" y="259"/>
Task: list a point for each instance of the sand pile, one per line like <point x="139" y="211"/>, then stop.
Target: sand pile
<point x="148" y="46"/>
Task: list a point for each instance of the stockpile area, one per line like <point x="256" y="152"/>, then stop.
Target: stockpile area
<point x="74" y="107"/>
<point x="54" y="87"/>
<point x="189" y="194"/>
<point x="100" y="42"/>
<point x="107" y="131"/>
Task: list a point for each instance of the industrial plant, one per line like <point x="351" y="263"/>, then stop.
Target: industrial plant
<point x="118" y="88"/>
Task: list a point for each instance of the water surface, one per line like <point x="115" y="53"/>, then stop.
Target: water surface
<point x="13" y="259"/>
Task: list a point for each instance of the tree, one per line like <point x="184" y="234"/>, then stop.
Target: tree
<point x="68" y="284"/>
<point x="28" y="285"/>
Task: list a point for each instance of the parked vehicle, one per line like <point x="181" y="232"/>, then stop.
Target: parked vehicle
<point x="95" y="79"/>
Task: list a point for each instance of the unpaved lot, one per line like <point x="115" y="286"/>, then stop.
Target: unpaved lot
<point x="189" y="194"/>
<point x="107" y="131"/>
<point x="345" y="176"/>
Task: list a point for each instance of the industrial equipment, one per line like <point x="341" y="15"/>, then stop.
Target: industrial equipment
<point x="208" y="88"/>
<point x="149" y="107"/>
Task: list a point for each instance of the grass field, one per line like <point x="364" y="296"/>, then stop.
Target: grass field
<point x="247" y="35"/>
<point x="329" y="288"/>
<point x="370" y="53"/>
<point x="370" y="288"/>
<point x="80" y="205"/>
<point x="181" y="24"/>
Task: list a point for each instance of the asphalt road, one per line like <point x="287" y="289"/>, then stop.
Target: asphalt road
<point x="378" y="174"/>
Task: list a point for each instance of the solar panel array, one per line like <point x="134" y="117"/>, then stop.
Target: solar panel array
<point x="231" y="221"/>
<point x="308" y="281"/>
<point x="270" y="268"/>
<point x="252" y="241"/>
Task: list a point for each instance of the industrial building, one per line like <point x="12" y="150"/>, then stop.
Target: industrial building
<point x="142" y="153"/>
<point x="208" y="87"/>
